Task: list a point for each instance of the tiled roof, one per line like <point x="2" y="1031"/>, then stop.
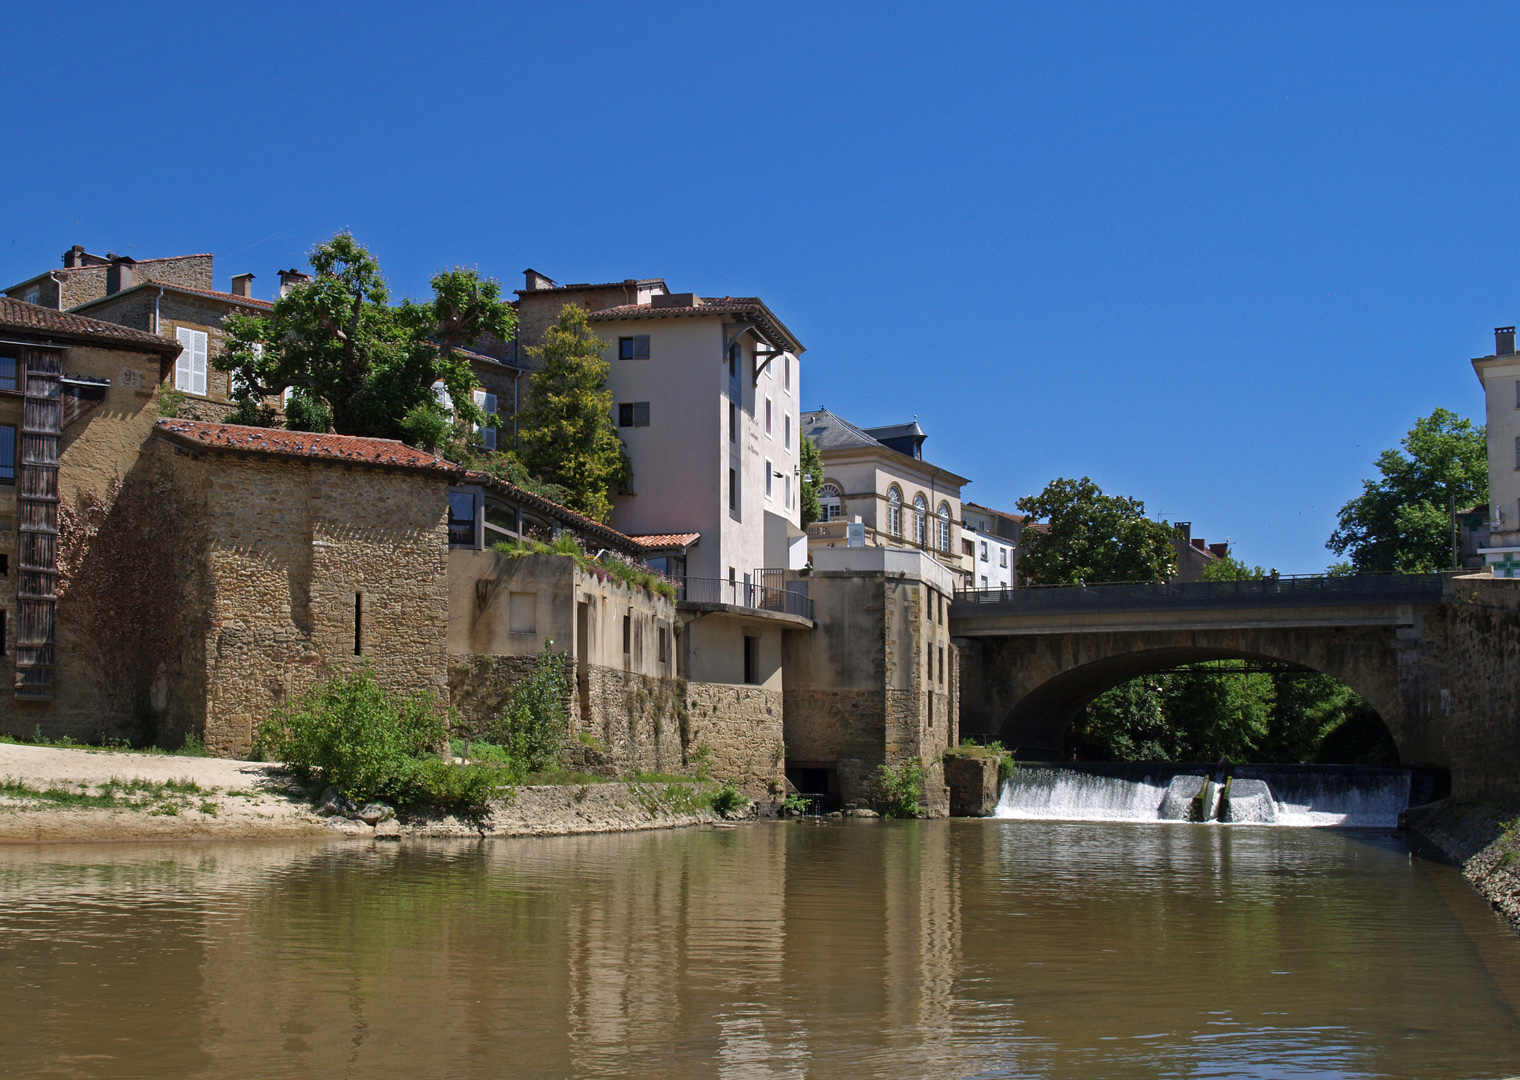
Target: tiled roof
<point x="666" y="540"/>
<point x="626" y="544"/>
<point x="1020" y="518"/>
<point x="345" y="449"/>
<point x="20" y="315"/>
<point x="231" y="298"/>
<point x="751" y="306"/>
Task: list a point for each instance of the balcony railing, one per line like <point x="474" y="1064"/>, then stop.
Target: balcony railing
<point x="695" y="590"/>
<point x="1307" y="591"/>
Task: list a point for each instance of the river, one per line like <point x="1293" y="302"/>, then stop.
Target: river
<point x="839" y="949"/>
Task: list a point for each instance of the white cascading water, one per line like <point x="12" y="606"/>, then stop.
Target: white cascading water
<point x="1283" y="796"/>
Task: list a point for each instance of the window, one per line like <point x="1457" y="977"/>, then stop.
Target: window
<point x="984" y="551"/>
<point x="633" y="348"/>
<point x="664" y="653"/>
<point x="944" y="527"/>
<point x="633" y="414"/>
<point x="788" y="492"/>
<point x="733" y="496"/>
<point x="734" y="353"/>
<point x="769" y="474"/>
<point x="32" y="295"/>
<point x="523" y="616"/>
<point x="751" y="660"/>
<point x="10" y="368"/>
<point x="984" y="581"/>
<point x="628" y="632"/>
<point x="462" y="519"/>
<point x="8" y="453"/>
<point x="968" y="547"/>
<point x="1003" y="557"/>
<point x="190" y="368"/>
<point x="786" y="429"/>
<point x="1517" y="453"/>
<point x="486" y="403"/>
<point x="767" y="418"/>
<point x="733" y="422"/>
<point x="942" y="665"/>
<point x="830" y="503"/>
<point x="786" y="366"/>
<point x="894" y="510"/>
<point x="358" y="624"/>
<point x="920" y="515"/>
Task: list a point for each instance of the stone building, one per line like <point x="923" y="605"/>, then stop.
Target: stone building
<point x="877" y="478"/>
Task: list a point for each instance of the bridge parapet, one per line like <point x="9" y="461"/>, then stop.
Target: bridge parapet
<point x="1320" y="590"/>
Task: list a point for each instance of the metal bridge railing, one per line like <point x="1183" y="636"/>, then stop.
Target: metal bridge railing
<point x="1306" y="591"/>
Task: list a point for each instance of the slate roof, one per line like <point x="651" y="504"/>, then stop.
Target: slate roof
<point x="894" y="431"/>
<point x="19" y="315"/>
<point x="342" y="449"/>
<point x="751" y="306"/>
<point x="657" y="541"/>
<point x="830" y="431"/>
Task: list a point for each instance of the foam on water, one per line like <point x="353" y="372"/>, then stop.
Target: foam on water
<point x="1260" y="795"/>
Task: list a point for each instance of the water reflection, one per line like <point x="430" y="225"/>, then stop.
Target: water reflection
<point x="868" y="949"/>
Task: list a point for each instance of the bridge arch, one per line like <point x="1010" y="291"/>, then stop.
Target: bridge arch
<point x="1028" y="690"/>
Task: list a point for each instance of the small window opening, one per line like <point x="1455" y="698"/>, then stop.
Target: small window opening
<point x="664" y="646"/>
<point x="358" y="624"/>
<point x="751" y="660"/>
<point x="628" y="633"/>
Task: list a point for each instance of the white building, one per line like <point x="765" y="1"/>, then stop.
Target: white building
<point x="1500" y="375"/>
<point x="705" y="393"/>
<point x="994" y="557"/>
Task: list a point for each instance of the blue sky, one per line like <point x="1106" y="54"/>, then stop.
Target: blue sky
<point x="1216" y="257"/>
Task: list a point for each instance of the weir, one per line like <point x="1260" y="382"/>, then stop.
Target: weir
<point x="1348" y="796"/>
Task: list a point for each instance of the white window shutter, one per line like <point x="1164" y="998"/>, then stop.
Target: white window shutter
<point x="198" y="370"/>
<point x="442" y="393"/>
<point x="486" y="402"/>
<point x="182" y="367"/>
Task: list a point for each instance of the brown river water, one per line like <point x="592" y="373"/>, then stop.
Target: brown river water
<point x="837" y="950"/>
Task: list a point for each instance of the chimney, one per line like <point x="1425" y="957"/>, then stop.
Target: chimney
<point x="74" y="256"/>
<point x="242" y="285"/>
<point x="290" y="279"/>
<point x="1186" y="529"/>
<point x="121" y="274"/>
<point x="675" y="299"/>
<point x="533" y="280"/>
<point x="1199" y="544"/>
<point x="1504" y="341"/>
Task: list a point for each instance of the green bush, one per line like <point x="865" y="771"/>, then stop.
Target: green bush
<point x="531" y="726"/>
<point x="795" y="805"/>
<point x="902" y="789"/>
<point x="608" y="564"/>
<point x="725" y="799"/>
<point x="351" y="733"/>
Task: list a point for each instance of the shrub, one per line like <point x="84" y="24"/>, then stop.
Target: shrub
<point x="351" y="733"/>
<point x="725" y="799"/>
<point x="531" y="726"/>
<point x="795" y="805"/>
<point x="902" y="789"/>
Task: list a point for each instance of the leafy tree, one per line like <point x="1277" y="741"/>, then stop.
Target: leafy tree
<point x="1402" y="522"/>
<point x="1230" y="568"/>
<point x="1093" y="538"/>
<point x="812" y="477"/>
<point x="358" y="364"/>
<point x="565" y="435"/>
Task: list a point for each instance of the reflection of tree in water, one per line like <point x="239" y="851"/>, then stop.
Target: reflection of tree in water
<point x="1233" y="708"/>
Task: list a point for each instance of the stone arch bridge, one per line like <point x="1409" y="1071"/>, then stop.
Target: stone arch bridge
<point x="1438" y="656"/>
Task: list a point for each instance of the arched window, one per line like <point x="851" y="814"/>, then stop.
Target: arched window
<point x="944" y="527"/>
<point x="830" y="502"/>
<point x="894" y="510"/>
<point x="920" y="520"/>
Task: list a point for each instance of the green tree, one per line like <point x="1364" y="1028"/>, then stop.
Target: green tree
<point x="565" y="435"/>
<point x="1402" y="522"/>
<point x="354" y="362"/>
<point x="1230" y="568"/>
<point x="812" y="476"/>
<point x="1093" y="537"/>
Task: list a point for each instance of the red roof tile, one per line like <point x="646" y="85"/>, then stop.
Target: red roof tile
<point x="344" y="449"/>
<point x="751" y="306"/>
<point x="20" y="315"/>
<point x="666" y="540"/>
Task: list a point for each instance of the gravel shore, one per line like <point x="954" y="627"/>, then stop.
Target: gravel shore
<point x="1474" y="837"/>
<point x="161" y="797"/>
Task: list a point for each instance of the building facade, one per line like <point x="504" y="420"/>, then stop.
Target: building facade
<point x="1500" y="375"/>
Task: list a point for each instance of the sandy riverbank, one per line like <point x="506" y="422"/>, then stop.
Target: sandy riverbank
<point x="1475" y="838"/>
<point x="158" y="797"/>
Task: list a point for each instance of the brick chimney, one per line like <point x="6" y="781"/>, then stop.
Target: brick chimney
<point x="121" y="274"/>
<point x="242" y="285"/>
<point x="533" y="280"/>
<point x="1504" y="341"/>
<point x="74" y="256"/>
<point x="289" y="279"/>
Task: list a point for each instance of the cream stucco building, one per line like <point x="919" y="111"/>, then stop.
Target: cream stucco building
<point x="1500" y="375"/>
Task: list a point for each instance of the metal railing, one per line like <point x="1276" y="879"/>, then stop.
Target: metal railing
<point x="1306" y="591"/>
<point x="695" y="590"/>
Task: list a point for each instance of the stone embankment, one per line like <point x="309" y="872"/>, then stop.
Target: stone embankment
<point x="1481" y="839"/>
<point x="52" y="794"/>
